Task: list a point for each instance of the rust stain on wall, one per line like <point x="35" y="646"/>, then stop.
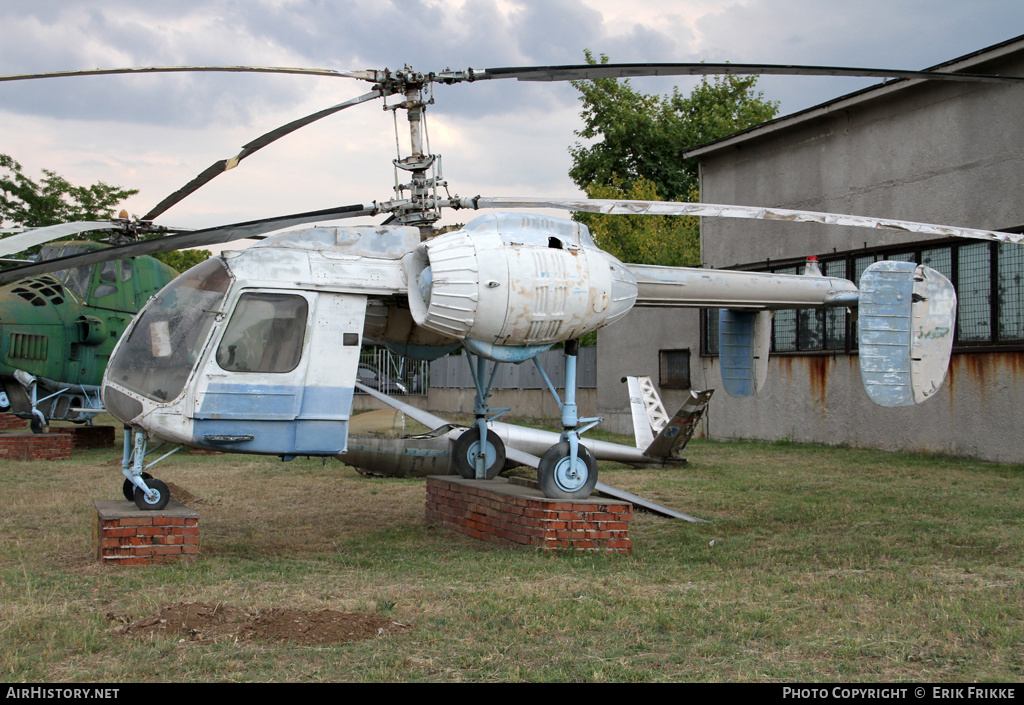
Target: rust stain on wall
<point x="817" y="370"/>
<point x="785" y="367"/>
<point x="984" y="369"/>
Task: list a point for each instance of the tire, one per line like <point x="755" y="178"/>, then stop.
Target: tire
<point x="560" y="479"/>
<point x="467" y="446"/>
<point x="128" y="488"/>
<point x="164" y="496"/>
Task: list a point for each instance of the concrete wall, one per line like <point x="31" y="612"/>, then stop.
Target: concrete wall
<point x="630" y="347"/>
<point x="949" y="154"/>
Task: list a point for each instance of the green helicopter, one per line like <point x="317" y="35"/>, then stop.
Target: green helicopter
<point x="57" y="331"/>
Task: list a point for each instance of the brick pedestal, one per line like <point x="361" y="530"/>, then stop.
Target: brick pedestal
<point x="510" y="513"/>
<point x="87" y="437"/>
<point x="123" y="534"/>
<point x="25" y="445"/>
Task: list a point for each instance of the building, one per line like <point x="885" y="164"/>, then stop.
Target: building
<point x="939" y="152"/>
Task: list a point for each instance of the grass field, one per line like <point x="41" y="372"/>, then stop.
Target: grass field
<point x="820" y="564"/>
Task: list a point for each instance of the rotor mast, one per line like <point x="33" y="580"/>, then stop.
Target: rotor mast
<point x="416" y="202"/>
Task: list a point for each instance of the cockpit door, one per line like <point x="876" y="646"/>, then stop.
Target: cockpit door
<point x="279" y="379"/>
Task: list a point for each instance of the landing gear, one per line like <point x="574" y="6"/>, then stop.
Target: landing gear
<point x="564" y="476"/>
<point x="139" y="486"/>
<point x="466" y="449"/>
<point x="568" y="470"/>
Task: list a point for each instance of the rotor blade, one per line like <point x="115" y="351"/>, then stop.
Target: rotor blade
<point x="257" y="144"/>
<point x="38" y="236"/>
<point x="195" y="238"/>
<point x="578" y="72"/>
<point x="710" y="210"/>
<point x="364" y="75"/>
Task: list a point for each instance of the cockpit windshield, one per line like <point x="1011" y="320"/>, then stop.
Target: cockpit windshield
<point x="169" y="335"/>
<point x="76" y="279"/>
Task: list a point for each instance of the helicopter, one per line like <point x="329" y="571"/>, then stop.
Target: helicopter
<point x="57" y="330"/>
<point x="256" y="351"/>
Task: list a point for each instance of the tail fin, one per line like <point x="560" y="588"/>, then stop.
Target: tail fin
<point x="649" y="418"/>
<point x="649" y="415"/>
<point x="671" y="440"/>
<point x="907" y="321"/>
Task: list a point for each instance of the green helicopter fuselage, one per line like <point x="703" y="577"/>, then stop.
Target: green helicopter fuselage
<point x="60" y="328"/>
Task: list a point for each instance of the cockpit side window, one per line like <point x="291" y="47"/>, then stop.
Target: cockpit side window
<point x="265" y="333"/>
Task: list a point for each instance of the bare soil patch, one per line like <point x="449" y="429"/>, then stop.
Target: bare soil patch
<point x="214" y="621"/>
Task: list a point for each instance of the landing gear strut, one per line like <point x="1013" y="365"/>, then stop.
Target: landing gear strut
<point x="568" y="470"/>
<point x="478" y="453"/>
<point x="139" y="486"/>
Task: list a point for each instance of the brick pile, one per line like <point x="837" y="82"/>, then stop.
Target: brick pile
<point x="123" y="534"/>
<point x="510" y="513"/>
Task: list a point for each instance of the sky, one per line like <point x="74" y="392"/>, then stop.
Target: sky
<point x="496" y="138"/>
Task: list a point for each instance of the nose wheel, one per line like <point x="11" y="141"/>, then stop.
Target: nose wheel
<point x="562" y="476"/>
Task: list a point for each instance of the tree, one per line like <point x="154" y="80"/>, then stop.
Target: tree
<point x="637" y="143"/>
<point x="54" y="200"/>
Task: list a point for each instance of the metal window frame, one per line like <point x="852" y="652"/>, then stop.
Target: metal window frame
<point x="709" y="316"/>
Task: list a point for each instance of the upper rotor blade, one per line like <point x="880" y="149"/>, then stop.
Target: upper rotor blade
<point x="38" y="236"/>
<point x="364" y="75"/>
<point x="710" y="210"/>
<point x="195" y="238"/>
<point x="578" y="72"/>
<point x="257" y="144"/>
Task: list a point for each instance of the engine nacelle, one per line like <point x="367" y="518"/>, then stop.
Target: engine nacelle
<point x="515" y="280"/>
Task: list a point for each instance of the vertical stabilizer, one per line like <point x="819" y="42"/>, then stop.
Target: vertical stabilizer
<point x="649" y="415"/>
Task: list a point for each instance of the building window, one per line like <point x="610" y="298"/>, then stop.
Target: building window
<point x="988" y="277"/>
<point x="674" y="369"/>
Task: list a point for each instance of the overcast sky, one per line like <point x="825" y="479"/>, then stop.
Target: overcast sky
<point x="498" y="138"/>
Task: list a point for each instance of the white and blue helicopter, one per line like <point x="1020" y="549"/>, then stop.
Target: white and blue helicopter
<point x="256" y="351"/>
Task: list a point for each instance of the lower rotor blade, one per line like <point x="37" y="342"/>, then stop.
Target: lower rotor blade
<point x="180" y="241"/>
<point x="218" y="168"/>
<point x="577" y="72"/>
<point x="710" y="210"/>
<point x="39" y="236"/>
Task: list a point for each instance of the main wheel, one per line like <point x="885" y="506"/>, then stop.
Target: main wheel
<point x="163" y="495"/>
<point x="563" y="478"/>
<point x="467" y="447"/>
<point x="128" y="488"/>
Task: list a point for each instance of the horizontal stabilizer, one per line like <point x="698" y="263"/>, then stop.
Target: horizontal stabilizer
<point x="907" y="320"/>
<point x="671" y="440"/>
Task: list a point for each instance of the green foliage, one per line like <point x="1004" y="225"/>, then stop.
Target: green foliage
<point x="635" y="152"/>
<point x="52" y="200"/>
<point x="644" y="239"/>
<point x="182" y="260"/>
<point x="644" y="136"/>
